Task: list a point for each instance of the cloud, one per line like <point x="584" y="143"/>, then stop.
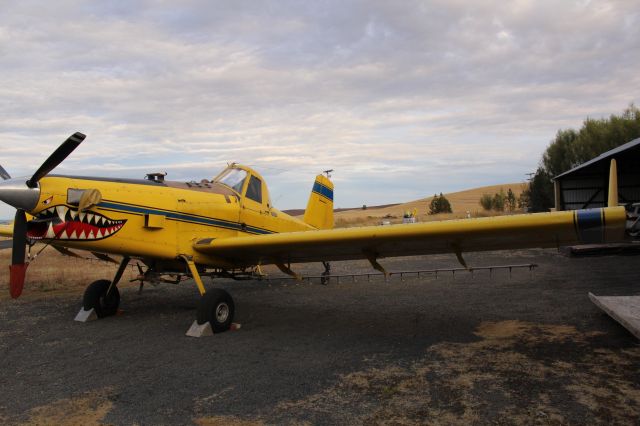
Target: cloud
<point x="424" y="96"/>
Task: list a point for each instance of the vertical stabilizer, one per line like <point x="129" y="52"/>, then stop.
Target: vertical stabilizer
<point x="319" y="212"/>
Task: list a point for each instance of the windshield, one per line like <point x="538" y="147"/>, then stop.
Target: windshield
<point x="233" y="178"/>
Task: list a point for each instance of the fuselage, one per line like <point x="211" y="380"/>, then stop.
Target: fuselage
<point x="153" y="218"/>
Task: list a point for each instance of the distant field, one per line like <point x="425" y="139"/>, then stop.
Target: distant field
<point x="461" y="203"/>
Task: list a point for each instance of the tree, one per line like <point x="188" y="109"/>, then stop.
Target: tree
<point x="511" y="200"/>
<point x="439" y="204"/>
<point x="540" y="192"/>
<point x="571" y="148"/>
<point x="498" y="201"/>
<point x="486" y="201"/>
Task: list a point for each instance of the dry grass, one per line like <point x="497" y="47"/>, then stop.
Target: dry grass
<point x="463" y="383"/>
<point x="461" y="203"/>
<point x="54" y="273"/>
<point x="87" y="409"/>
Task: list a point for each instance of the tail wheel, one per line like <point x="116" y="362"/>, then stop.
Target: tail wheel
<point x="216" y="307"/>
<point x="95" y="297"/>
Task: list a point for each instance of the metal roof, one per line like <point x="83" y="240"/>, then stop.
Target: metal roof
<point x="603" y="156"/>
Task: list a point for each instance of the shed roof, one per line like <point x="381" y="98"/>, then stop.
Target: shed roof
<point x="604" y="156"/>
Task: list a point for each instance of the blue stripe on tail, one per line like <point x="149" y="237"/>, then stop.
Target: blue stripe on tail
<point x="322" y="190"/>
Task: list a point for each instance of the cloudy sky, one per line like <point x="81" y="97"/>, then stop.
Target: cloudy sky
<point x="402" y="99"/>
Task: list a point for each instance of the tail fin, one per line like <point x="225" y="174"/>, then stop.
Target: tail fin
<point x="319" y="212"/>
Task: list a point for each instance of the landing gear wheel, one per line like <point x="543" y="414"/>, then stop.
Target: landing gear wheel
<point x="95" y="297"/>
<point x="217" y="308"/>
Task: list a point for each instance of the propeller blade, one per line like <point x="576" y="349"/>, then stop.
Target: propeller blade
<point x="18" y="266"/>
<point x="56" y="158"/>
<point x="3" y="174"/>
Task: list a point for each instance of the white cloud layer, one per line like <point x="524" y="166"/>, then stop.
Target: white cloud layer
<point x="402" y="99"/>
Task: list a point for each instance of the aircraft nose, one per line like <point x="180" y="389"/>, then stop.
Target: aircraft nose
<point x="16" y="193"/>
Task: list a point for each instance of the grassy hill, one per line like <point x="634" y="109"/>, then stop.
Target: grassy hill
<point x="461" y="203"/>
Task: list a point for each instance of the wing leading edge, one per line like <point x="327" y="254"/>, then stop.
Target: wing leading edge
<point x="452" y="236"/>
<point x="6" y="230"/>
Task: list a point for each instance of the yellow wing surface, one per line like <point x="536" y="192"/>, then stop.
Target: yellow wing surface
<point x="6" y="230"/>
<point x="452" y="236"/>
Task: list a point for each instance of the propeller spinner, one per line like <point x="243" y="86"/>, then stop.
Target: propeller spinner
<point x="24" y="196"/>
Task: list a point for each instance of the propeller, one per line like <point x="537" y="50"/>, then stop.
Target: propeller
<point x="13" y="192"/>
<point x="56" y="158"/>
<point x="18" y="266"/>
<point x="3" y="174"/>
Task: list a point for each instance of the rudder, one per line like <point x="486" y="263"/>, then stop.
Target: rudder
<point x="319" y="212"/>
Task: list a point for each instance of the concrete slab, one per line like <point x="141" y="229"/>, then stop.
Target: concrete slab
<point x="6" y="244"/>
<point x="86" y="316"/>
<point x="624" y="309"/>
<point x="601" y="249"/>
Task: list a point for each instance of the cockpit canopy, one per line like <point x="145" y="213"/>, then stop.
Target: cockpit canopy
<point x="233" y="178"/>
<point x="246" y="182"/>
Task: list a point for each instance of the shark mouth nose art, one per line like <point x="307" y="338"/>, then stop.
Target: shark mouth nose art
<point x="64" y="223"/>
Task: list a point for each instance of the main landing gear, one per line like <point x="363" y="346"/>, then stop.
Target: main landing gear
<point x="214" y="313"/>
<point x="215" y="308"/>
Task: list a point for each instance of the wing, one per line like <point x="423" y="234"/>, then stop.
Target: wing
<point x="453" y="236"/>
<point x="6" y="230"/>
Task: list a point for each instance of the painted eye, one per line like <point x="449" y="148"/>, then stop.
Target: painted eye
<point x="48" y="200"/>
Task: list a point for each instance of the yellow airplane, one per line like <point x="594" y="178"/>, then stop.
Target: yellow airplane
<point x="228" y="227"/>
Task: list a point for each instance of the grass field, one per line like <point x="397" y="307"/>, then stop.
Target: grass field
<point x="461" y="203"/>
<point x="54" y="273"/>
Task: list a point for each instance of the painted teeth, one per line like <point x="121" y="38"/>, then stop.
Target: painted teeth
<point x="50" y="233"/>
<point x="102" y="227"/>
<point x="61" y="210"/>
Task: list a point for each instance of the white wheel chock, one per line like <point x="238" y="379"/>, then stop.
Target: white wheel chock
<point x="86" y="316"/>
<point x="202" y="330"/>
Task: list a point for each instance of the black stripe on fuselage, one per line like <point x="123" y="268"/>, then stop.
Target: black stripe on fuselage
<point x="180" y="217"/>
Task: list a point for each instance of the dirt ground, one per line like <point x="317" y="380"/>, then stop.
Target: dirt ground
<point x="529" y="348"/>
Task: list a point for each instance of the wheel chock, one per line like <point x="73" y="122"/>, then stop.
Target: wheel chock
<point x="86" y="316"/>
<point x="202" y="330"/>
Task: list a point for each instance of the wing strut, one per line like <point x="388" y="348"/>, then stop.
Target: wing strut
<point x="372" y="258"/>
<point x="458" y="251"/>
<point x="287" y="270"/>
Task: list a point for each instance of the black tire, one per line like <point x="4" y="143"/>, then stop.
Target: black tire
<point x="216" y="307"/>
<point x="95" y="297"/>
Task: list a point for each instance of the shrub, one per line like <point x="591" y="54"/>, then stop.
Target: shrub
<point x="439" y="204"/>
<point x="486" y="201"/>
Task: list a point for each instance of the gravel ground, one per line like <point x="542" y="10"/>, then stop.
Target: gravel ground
<point x="526" y="348"/>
